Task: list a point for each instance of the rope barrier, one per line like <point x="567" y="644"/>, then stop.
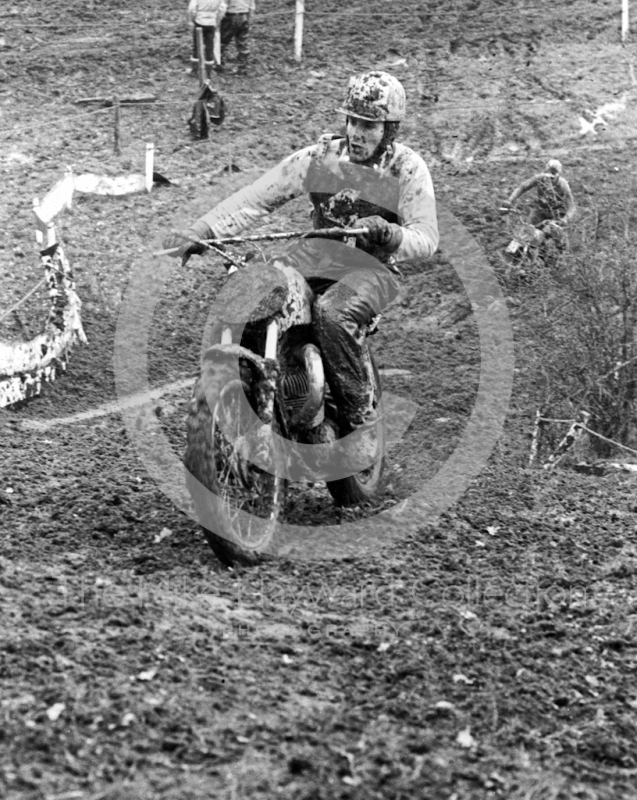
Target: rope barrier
<point x="23" y="300"/>
<point x="52" y="268"/>
<point x="574" y="432"/>
<point x="27" y="126"/>
<point x="273" y="96"/>
<point x="26" y="365"/>
<point x="608" y="441"/>
<point x="364" y="12"/>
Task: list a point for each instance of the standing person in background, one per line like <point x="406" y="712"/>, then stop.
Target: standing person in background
<point x="236" y="25"/>
<point x="207" y="15"/>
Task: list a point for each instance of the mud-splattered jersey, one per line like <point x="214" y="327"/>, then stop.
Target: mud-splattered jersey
<point x="554" y="197"/>
<point x="399" y="189"/>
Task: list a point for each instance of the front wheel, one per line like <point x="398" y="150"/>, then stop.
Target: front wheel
<point x="237" y="504"/>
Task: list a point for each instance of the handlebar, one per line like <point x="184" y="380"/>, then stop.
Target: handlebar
<point x="320" y="233"/>
<point x="552" y="223"/>
<point x="186" y="256"/>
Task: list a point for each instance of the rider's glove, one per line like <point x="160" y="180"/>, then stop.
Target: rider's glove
<point x="181" y="242"/>
<point x="386" y="235"/>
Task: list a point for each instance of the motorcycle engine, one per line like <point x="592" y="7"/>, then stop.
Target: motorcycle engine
<point x="303" y="390"/>
<point x="295" y="388"/>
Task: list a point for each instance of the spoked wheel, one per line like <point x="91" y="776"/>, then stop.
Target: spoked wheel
<point x="238" y="503"/>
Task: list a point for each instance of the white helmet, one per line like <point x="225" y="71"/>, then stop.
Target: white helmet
<point x="554" y="166"/>
<point x="375" y="96"/>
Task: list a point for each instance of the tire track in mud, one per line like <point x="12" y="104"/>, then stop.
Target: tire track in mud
<point x="141" y="399"/>
<point x="112" y="407"/>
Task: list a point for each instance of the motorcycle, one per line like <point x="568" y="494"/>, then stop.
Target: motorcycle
<point x="262" y="387"/>
<point x="531" y="246"/>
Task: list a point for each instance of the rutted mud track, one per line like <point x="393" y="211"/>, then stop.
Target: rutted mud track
<point x="491" y="655"/>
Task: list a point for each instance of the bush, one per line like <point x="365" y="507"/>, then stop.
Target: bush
<point x="584" y="319"/>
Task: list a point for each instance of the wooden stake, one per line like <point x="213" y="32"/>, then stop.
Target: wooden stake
<point x="116" y="124"/>
<point x="625" y="20"/>
<point x="298" y="29"/>
<point x="201" y="56"/>
<point x="150" y="155"/>
<point x="535" y="437"/>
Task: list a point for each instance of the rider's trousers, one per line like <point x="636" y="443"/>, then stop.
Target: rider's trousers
<point x="341" y="310"/>
<point x="352" y="287"/>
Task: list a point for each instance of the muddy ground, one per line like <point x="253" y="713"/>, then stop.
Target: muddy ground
<point x="492" y="654"/>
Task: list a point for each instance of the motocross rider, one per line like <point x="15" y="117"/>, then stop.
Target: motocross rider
<point x="554" y="203"/>
<point x="365" y="180"/>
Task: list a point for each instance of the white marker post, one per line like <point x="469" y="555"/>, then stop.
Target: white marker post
<point x="45" y="234"/>
<point x="216" y="46"/>
<point x="56" y="199"/>
<point x="40" y="228"/>
<point x="51" y="235"/>
<point x="298" y="29"/>
<point x="201" y="56"/>
<point x="150" y="157"/>
<point x="70" y="184"/>
<point x="625" y="20"/>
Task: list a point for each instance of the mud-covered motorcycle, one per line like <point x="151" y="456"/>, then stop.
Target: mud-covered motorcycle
<point x="532" y="247"/>
<point x="261" y="394"/>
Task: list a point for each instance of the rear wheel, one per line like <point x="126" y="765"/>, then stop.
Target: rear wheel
<point x="237" y="503"/>
<point x="359" y="488"/>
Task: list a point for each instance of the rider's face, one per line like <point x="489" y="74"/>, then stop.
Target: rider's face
<point x="363" y="137"/>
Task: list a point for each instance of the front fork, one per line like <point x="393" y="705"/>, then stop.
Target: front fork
<point x="265" y="388"/>
<point x="373" y="387"/>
